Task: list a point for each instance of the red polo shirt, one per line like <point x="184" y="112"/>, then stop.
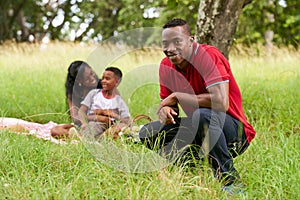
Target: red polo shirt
<point x="207" y="67"/>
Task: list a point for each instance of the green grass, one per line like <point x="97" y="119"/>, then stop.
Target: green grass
<point x="32" y="88"/>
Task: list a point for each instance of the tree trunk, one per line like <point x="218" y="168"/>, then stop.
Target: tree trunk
<point x="217" y="22"/>
<point x="4" y="27"/>
<point x="9" y="16"/>
<point x="269" y="34"/>
<point x="21" y="19"/>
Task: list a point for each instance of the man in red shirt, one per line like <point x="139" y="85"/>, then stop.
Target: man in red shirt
<point x="198" y="78"/>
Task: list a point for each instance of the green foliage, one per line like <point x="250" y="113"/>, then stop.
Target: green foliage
<point x="100" y="20"/>
<point x="184" y="9"/>
<point x="253" y="23"/>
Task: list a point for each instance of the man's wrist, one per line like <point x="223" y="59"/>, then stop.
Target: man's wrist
<point x="160" y="108"/>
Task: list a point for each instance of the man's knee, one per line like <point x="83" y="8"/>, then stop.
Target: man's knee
<point x="201" y="116"/>
<point x="149" y="132"/>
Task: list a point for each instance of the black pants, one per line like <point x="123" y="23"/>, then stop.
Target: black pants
<point x="215" y="134"/>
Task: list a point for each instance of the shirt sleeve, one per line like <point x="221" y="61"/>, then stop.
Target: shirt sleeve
<point x="164" y="79"/>
<point x="88" y="100"/>
<point x="123" y="108"/>
<point x="214" y="67"/>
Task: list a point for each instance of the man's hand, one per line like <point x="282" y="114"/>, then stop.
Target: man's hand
<point x="166" y="115"/>
<point x="167" y="109"/>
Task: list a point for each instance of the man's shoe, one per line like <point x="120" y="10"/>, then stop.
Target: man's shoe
<point x="233" y="189"/>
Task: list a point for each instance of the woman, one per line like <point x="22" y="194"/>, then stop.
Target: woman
<point x="80" y="80"/>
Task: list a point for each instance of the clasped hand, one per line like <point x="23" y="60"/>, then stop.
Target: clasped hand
<point x="106" y="116"/>
<point x="107" y="112"/>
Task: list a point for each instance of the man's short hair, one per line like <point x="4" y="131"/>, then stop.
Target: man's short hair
<point x="178" y="22"/>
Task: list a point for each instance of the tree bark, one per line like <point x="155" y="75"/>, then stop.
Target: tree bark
<point x="217" y="22"/>
<point x="269" y="34"/>
<point x="21" y="19"/>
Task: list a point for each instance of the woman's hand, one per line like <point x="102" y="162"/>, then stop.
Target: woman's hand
<point x="61" y="130"/>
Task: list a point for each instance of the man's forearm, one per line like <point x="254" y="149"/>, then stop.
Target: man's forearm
<point x="205" y="100"/>
<point x="201" y="100"/>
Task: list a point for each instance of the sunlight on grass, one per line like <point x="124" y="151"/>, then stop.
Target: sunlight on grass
<point x="32" y="88"/>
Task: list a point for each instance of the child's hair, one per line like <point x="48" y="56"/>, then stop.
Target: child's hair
<point x="116" y="71"/>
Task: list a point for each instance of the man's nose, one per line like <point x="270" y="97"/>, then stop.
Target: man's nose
<point x="171" y="47"/>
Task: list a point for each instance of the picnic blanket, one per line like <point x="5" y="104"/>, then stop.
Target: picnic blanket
<point x="38" y="130"/>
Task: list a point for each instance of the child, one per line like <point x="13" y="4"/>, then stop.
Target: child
<point x="103" y="107"/>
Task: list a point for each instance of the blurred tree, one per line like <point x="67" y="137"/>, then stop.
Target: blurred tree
<point x="213" y="22"/>
<point x="5" y="33"/>
<point x="217" y="22"/>
<point x="25" y="20"/>
<point x="268" y="14"/>
<point x="185" y="9"/>
<point x="141" y="13"/>
<point x="13" y="19"/>
<point x="254" y="24"/>
<point x="98" y="20"/>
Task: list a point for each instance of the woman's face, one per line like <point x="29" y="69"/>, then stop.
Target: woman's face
<point x="89" y="78"/>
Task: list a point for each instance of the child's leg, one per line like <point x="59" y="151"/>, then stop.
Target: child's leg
<point x="94" y="129"/>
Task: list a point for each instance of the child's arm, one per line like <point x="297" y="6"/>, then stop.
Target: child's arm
<point x="99" y="118"/>
<point x="124" y="112"/>
<point x="111" y="113"/>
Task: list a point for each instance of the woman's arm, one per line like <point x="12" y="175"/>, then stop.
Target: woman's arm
<point x="73" y="111"/>
<point x="82" y="115"/>
<point x="61" y="130"/>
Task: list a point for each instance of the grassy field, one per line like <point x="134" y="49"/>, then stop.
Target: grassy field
<point x="32" y="88"/>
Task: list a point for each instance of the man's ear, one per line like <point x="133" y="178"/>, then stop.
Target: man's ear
<point x="192" y="39"/>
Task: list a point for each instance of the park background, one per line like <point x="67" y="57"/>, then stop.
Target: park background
<point x="39" y="39"/>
